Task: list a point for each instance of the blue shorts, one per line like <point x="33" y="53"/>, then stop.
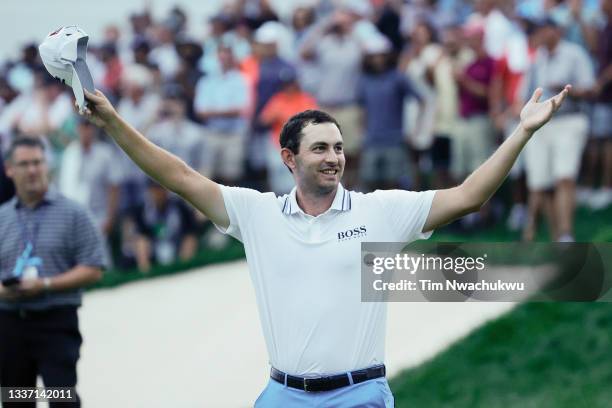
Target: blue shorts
<point x="368" y="394"/>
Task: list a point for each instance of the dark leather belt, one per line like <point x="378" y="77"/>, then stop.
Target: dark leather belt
<point x="327" y="383"/>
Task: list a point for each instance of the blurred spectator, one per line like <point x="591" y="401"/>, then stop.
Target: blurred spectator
<point x="220" y="101"/>
<point x="270" y="70"/>
<point x="360" y="12"/>
<point x="51" y="243"/>
<point x="441" y="74"/>
<point x="141" y="23"/>
<point x="141" y="51"/>
<point x="165" y="227"/>
<point x="256" y="12"/>
<point x="139" y="100"/>
<point x="39" y="113"/>
<point x="7" y="188"/>
<point x="506" y="106"/>
<point x="89" y="175"/>
<point x="308" y="73"/>
<point x="7" y="95"/>
<point x="553" y="158"/>
<point x="600" y="145"/>
<point x="282" y="106"/>
<point x="188" y="73"/>
<point x="219" y="26"/>
<point x="21" y="76"/>
<point x="497" y="27"/>
<point x="388" y="20"/>
<point x="113" y="36"/>
<point x="164" y="54"/>
<point x="177" y="20"/>
<point x="382" y="91"/>
<point x="139" y="105"/>
<point x="438" y="13"/>
<point x="576" y="20"/>
<point x="474" y="136"/>
<point x="174" y="132"/>
<point x="111" y="81"/>
<point x="418" y="63"/>
<point x="337" y="51"/>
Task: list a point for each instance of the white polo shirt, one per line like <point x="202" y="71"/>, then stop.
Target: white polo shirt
<point x="307" y="272"/>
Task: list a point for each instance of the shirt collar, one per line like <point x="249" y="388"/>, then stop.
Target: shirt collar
<point x="342" y="201"/>
<point x="50" y="196"/>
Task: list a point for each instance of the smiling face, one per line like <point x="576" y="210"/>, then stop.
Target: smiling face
<point x="319" y="164"/>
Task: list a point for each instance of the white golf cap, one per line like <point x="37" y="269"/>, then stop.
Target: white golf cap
<point x="64" y="53"/>
<point x="378" y="44"/>
<point x="269" y="33"/>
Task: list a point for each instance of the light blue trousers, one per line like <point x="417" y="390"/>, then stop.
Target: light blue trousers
<point x="368" y="394"/>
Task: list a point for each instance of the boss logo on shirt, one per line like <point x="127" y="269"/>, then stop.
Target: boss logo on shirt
<point x="358" y="232"/>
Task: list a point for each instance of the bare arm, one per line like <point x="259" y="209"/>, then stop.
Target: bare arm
<point x="77" y="277"/>
<point x="164" y="167"/>
<point x="476" y="190"/>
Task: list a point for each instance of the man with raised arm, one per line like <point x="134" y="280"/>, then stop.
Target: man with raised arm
<point x="325" y="346"/>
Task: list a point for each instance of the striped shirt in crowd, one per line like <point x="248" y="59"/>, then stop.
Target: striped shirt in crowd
<point x="63" y="235"/>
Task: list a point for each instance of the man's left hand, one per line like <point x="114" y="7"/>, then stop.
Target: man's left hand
<point x="535" y="114"/>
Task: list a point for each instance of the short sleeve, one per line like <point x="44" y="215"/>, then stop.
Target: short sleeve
<point x="239" y="203"/>
<point x="88" y="247"/>
<point x="405" y="212"/>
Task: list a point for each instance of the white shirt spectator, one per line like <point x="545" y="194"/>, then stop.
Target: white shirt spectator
<point x="183" y="139"/>
<point x="223" y="91"/>
<point x="167" y="59"/>
<point x="87" y="175"/>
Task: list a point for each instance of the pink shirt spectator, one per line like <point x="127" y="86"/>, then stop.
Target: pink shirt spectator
<point x="480" y="70"/>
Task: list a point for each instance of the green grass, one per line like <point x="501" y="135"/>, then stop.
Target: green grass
<point x="590" y="226"/>
<point x="539" y="355"/>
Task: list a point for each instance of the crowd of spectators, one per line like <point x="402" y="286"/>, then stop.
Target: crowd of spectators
<point x="424" y="91"/>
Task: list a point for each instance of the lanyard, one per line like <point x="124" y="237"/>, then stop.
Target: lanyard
<point x="27" y="258"/>
<point x="25" y="231"/>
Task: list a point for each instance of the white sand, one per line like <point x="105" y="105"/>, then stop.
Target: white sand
<point x="194" y="340"/>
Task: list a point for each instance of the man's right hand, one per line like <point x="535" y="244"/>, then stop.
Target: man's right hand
<point x="99" y="110"/>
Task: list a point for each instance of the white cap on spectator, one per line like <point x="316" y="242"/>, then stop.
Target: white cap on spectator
<point x="378" y="44"/>
<point x="64" y="52"/>
<point x="362" y="8"/>
<point x="269" y="33"/>
<point x="137" y="75"/>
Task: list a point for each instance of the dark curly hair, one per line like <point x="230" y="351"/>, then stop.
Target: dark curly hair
<point x="291" y="135"/>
